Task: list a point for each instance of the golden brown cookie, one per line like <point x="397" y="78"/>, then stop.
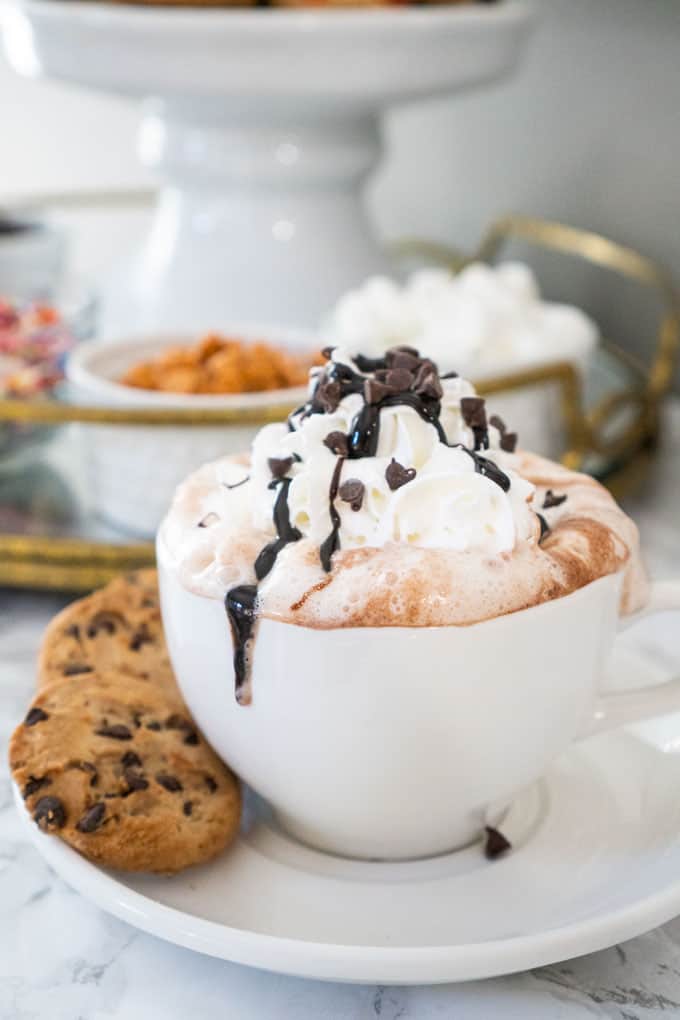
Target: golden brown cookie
<point x="117" y="768"/>
<point x="115" y="630"/>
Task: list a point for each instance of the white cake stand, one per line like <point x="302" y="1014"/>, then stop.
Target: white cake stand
<point x="263" y="125"/>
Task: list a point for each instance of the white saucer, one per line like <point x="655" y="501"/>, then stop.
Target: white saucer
<point x="595" y="860"/>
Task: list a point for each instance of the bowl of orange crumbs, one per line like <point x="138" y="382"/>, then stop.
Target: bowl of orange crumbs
<point x="133" y="470"/>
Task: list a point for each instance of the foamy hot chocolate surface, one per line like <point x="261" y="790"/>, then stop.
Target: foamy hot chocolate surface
<point x="393" y="497"/>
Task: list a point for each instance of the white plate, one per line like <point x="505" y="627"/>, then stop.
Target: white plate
<point x="596" y="860"/>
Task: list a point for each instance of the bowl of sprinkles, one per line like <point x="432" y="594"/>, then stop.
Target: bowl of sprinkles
<point x="35" y="339"/>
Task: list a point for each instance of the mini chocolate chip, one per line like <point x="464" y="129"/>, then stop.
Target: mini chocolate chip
<point x="153" y="725"/>
<point x="280" y="466"/>
<point x="397" y="475"/>
<point x="496" y="843"/>
<point x="35" y="715"/>
<point x="474" y="415"/>
<point x="73" y="631"/>
<point x="473" y="411"/>
<point x="404" y="359"/>
<point x="117" y="732"/>
<point x="149" y="603"/>
<point x="34" y="784"/>
<point x="134" y="780"/>
<point x="131" y="760"/>
<point x="375" y="391"/>
<point x="75" y="668"/>
<point x="352" y="492"/>
<point x="92" y="818"/>
<point x="210" y="783"/>
<point x="49" y="813"/>
<point x="449" y="375"/>
<point x="327" y="395"/>
<point x="168" y="782"/>
<point x="137" y="716"/>
<point x="191" y="739"/>
<point x="327" y="352"/>
<point x="365" y="364"/>
<point x="429" y="386"/>
<point x="337" y="443"/>
<point x="393" y="352"/>
<point x="552" y="499"/>
<point x="545" y="527"/>
<point x="187" y="807"/>
<point x="139" y="638"/>
<point x="399" y="380"/>
<point x="509" y="442"/>
<point x="209" y="520"/>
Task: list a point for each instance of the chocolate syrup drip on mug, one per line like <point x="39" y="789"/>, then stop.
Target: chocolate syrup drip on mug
<point x="241" y="602"/>
<point x="241" y="606"/>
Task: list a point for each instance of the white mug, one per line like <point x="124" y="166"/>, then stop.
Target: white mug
<point x="403" y="742"/>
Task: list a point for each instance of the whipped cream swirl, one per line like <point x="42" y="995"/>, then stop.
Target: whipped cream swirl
<point x="427" y="483"/>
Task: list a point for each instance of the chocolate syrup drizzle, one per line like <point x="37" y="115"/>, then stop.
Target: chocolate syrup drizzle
<point x="335" y="383"/>
<point x="236" y="485"/>
<point x="332" y="543"/>
<point x="241" y="602"/>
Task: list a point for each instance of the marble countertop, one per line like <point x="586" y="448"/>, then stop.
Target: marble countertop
<point x="63" y="959"/>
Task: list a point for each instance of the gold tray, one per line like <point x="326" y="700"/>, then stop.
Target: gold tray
<point x="60" y="546"/>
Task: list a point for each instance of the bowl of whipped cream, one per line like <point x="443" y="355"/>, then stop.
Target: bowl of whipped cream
<point x="485" y="322"/>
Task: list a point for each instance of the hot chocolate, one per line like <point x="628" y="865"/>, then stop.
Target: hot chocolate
<point x="391" y="498"/>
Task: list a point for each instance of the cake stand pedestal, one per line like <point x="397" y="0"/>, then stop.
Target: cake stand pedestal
<point x="262" y="126"/>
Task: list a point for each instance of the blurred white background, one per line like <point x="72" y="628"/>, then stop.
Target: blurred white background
<point x="588" y="131"/>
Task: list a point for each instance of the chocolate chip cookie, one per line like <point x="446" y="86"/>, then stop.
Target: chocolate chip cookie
<point x="117" y="630"/>
<point x="116" y="767"/>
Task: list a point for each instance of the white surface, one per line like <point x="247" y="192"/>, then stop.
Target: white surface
<point x="595" y="859"/>
<point x="263" y="126"/>
<point x="60" y="957"/>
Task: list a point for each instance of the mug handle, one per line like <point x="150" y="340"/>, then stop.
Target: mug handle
<point x="618" y="709"/>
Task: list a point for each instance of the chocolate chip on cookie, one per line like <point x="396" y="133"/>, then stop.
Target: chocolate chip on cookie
<point x="92" y="818"/>
<point x="117" y="629"/>
<point x="160" y="802"/>
<point x="170" y="783"/>
<point x="35" y="715"/>
<point x="107" y="621"/>
<point x="116" y="732"/>
<point x="76" y="668"/>
<point x="33" y="784"/>
<point x="49" y="813"/>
